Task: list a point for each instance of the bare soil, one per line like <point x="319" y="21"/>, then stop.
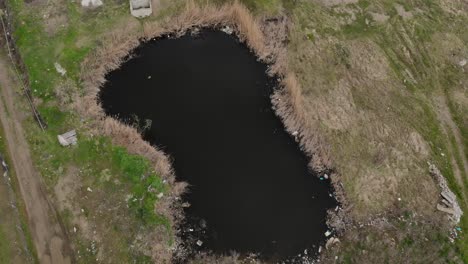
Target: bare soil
<point x="48" y="236"/>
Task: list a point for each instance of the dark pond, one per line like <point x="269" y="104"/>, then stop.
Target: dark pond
<point x="209" y="102"/>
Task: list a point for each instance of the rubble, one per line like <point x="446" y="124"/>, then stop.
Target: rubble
<point x="449" y="203"/>
<point x="68" y="138"/>
<point x="332" y="241"/>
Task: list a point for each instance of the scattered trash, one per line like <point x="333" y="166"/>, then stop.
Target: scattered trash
<point x="60" y="69"/>
<point x="149" y="77"/>
<point x="458" y="228"/>
<point x="399" y="199"/>
<point x="325" y="176"/>
<point x="328" y="233"/>
<point x="160" y="195"/>
<point x="68" y="138"/>
<point x="89" y="189"/>
<point x="320" y="249"/>
<point x="74" y="229"/>
<point x="442" y="154"/>
<point x="295" y="133"/>
<point x="321" y="178"/>
<point x="199" y="243"/>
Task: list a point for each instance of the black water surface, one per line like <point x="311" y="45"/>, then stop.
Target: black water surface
<point x="209" y="102"/>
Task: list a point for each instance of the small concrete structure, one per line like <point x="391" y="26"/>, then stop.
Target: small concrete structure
<point x="140" y="8"/>
<point x="68" y="138"/>
<point x="91" y="3"/>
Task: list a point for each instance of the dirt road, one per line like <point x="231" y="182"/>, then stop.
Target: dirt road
<point x="48" y="236"/>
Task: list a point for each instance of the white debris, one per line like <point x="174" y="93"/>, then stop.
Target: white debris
<point x="332" y="241"/>
<point x="91" y="3"/>
<point x="60" y="69"/>
<point x="199" y="243"/>
<point x="328" y="233"/>
<point x="89" y="189"/>
<point x="227" y="30"/>
<point x="295" y="133"/>
<point x="463" y="62"/>
<point x="74" y="229"/>
<point x="160" y="195"/>
<point x="399" y="199"/>
<point x="68" y="138"/>
<point x="325" y="176"/>
<point x="140" y="8"/>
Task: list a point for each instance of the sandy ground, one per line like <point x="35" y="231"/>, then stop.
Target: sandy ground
<point x="49" y="238"/>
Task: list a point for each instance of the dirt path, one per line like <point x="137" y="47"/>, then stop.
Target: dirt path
<point x="49" y="238"/>
<point x="445" y="117"/>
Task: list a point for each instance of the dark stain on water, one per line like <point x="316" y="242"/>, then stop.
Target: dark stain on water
<point x="209" y="102"/>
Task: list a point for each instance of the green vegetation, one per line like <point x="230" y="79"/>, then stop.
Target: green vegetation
<point x="109" y="171"/>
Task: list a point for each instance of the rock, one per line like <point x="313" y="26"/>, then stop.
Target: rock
<point x="199" y="243"/>
<point x="160" y="195"/>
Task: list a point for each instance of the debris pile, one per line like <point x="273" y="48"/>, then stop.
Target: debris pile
<point x="449" y="202"/>
<point x="68" y="138"/>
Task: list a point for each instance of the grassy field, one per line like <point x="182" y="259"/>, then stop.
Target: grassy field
<point x="371" y="74"/>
